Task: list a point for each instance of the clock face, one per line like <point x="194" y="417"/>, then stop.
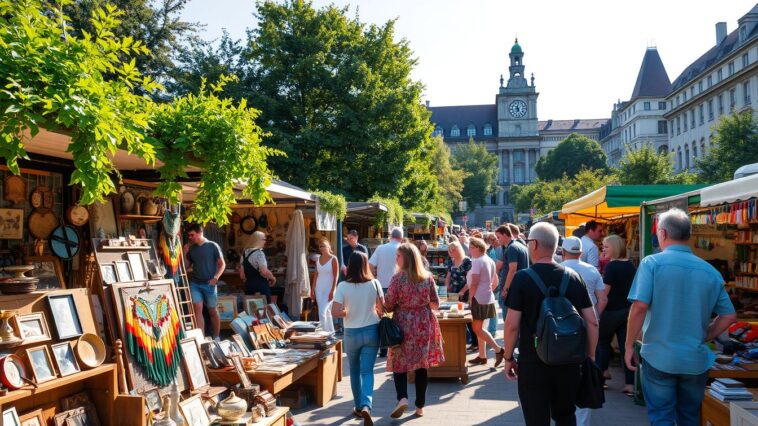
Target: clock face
<point x="517" y="109"/>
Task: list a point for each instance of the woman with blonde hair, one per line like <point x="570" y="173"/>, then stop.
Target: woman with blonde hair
<point x="482" y="280"/>
<point x="412" y="296"/>
<point x="326" y="282"/>
<point x="618" y="278"/>
<point x="255" y="274"/>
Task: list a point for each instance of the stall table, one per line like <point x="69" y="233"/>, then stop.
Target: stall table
<point x="716" y="413"/>
<point x="321" y="372"/>
<point x="454" y="346"/>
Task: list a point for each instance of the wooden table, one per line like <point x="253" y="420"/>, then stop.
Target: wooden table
<point x="277" y="418"/>
<point x="716" y="413"/>
<point x="321" y="372"/>
<point x="454" y="346"/>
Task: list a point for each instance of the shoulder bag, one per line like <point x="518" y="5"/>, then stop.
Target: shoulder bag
<point x="390" y="335"/>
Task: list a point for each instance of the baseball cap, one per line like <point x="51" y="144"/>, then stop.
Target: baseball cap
<point x="572" y="245"/>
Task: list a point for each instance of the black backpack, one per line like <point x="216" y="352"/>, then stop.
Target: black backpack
<point x="560" y="337"/>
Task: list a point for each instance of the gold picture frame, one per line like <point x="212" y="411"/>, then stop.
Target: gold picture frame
<point x="33" y="327"/>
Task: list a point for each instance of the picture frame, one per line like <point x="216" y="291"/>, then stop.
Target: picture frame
<point x="194" y="411"/>
<point x="108" y="273"/>
<point x="41" y="364"/>
<point x="33" y="327"/>
<point x="124" y="271"/>
<point x="65" y="359"/>
<point x="32" y="418"/>
<point x="48" y="270"/>
<point x="65" y="315"/>
<point x="253" y="304"/>
<point x="240" y="370"/>
<point x="103" y="216"/>
<point x="153" y="400"/>
<point x="194" y="365"/>
<point x="227" y="307"/>
<point x="241" y="343"/>
<point x="137" y="264"/>
<point x="11" y="224"/>
<point x="10" y="417"/>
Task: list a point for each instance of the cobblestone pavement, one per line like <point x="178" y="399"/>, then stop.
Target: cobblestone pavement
<point x="488" y="399"/>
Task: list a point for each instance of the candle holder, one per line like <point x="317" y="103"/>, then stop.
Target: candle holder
<point x="6" y="330"/>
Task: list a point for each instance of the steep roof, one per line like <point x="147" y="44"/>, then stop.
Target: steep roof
<point x="462" y="116"/>
<point x="652" y="80"/>
<point x="570" y="125"/>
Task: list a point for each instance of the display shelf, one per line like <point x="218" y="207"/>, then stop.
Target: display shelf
<point x="742" y="243"/>
<point x="60" y="382"/>
<point x="745" y="274"/>
<point x="738" y="287"/>
<point x="140" y="218"/>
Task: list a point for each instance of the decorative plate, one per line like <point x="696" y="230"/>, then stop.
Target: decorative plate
<point x="64" y="242"/>
<point x="12" y="371"/>
<point x="248" y="224"/>
<point x="77" y="215"/>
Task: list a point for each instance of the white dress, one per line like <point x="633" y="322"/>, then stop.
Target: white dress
<point x="323" y="287"/>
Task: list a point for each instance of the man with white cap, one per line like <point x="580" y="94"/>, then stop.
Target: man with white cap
<point x="572" y="250"/>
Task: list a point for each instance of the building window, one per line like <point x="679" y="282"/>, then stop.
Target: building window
<point x="678" y="125"/>
<point x="700" y="86"/>
<point x="684" y="96"/>
<point x="692" y="119"/>
<point x="664" y="149"/>
<point x="702" y="114"/>
<point x="721" y="105"/>
<point x="493" y="199"/>
<point x="518" y="129"/>
<point x="662" y="130"/>
<point x="745" y="60"/>
<point x="471" y="130"/>
<point x="662" y="106"/>
<point x="671" y="128"/>
<point x="687" y="156"/>
<point x="746" y="91"/>
<point x="719" y="75"/>
<point x="710" y="81"/>
<point x="671" y="104"/>
<point x="634" y="108"/>
<point x="732" y="99"/>
<point x="692" y="92"/>
<point x="455" y="132"/>
<point x="685" y="121"/>
<point x="487" y="130"/>
<point x="679" y="158"/>
<point x="677" y="100"/>
<point x="646" y="106"/>
<point x="505" y="198"/>
<point x="634" y="130"/>
<point x="694" y="153"/>
<point x="702" y="147"/>
<point x="439" y="131"/>
<point x="731" y="68"/>
<point x="519" y="174"/>
<point x="710" y="109"/>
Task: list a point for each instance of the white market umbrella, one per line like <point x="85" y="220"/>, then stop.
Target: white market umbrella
<point x="297" y="281"/>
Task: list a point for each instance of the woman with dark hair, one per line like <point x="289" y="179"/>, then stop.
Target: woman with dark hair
<point x="411" y="296"/>
<point x="359" y="300"/>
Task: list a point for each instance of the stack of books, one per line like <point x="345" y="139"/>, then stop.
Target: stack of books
<point x="730" y="390"/>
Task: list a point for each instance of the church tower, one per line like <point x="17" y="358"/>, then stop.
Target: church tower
<point x="517" y="101"/>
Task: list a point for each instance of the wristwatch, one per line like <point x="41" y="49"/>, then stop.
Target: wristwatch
<point x="511" y="359"/>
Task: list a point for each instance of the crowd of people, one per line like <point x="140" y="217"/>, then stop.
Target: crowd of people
<point x="674" y="303"/>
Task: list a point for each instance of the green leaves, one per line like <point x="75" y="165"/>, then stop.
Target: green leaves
<point x="734" y="144"/>
<point x="573" y="154"/>
<point x="480" y="168"/>
<point x="645" y="166"/>
<point x="332" y="203"/>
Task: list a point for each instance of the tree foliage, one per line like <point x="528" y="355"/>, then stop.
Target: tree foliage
<point x="480" y="167"/>
<point x="336" y="95"/>
<point x="547" y="196"/>
<point x="734" y="144"/>
<point x="155" y="24"/>
<point x="573" y="154"/>
<point x="645" y="166"/>
<point x="449" y="178"/>
<point x="335" y="204"/>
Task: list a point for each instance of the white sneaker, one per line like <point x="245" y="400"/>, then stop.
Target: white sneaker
<point x="399" y="408"/>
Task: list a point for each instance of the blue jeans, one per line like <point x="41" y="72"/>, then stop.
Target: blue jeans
<point x="204" y="293"/>
<point x="672" y="398"/>
<point x="492" y="323"/>
<point x="361" y="346"/>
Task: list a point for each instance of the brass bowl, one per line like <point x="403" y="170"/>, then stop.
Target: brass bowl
<point x="90" y="350"/>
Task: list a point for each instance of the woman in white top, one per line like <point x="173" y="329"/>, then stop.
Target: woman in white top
<point x="359" y="300"/>
<point x="326" y="282"/>
<point x="482" y="280"/>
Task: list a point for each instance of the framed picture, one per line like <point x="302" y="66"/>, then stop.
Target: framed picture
<point x="124" y="271"/>
<point x="33" y="327"/>
<point x="137" y="264"/>
<point x="10" y="417"/>
<point x="108" y="272"/>
<point x="65" y="316"/>
<point x="227" y="307"/>
<point x="194" y="412"/>
<point x="254" y="303"/>
<point x="241" y="343"/>
<point x="153" y="399"/>
<point x="65" y="359"/>
<point x="49" y="271"/>
<point x="103" y="216"/>
<point x="244" y="379"/>
<point x="42" y="365"/>
<point x="32" y="418"/>
<point x="194" y="365"/>
<point x="11" y="224"/>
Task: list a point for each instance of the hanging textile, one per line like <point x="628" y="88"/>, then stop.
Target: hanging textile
<point x="153" y="333"/>
<point x="169" y="243"/>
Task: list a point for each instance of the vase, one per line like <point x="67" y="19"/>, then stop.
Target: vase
<point x="6" y="331"/>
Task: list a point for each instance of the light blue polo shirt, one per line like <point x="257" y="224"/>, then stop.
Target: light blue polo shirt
<point x="682" y="291"/>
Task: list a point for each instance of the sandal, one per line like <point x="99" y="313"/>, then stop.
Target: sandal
<point x="499" y="356"/>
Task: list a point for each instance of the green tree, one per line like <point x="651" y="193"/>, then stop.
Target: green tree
<point x="337" y="97"/>
<point x="155" y="24"/>
<point x="481" y="171"/>
<point x="645" y="166"/>
<point x="449" y="179"/>
<point x="734" y="144"/>
<point x="573" y="154"/>
<point x="547" y="196"/>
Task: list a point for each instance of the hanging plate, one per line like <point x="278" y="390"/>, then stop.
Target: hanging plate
<point x="248" y="224"/>
<point x="14" y="189"/>
<point x="77" y="215"/>
<point x="64" y="242"/>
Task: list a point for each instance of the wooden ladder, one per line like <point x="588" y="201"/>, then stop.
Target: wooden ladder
<point x="186" y="311"/>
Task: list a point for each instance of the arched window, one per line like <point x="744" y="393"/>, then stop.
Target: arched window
<point x="664" y="149"/>
<point x="679" y="158"/>
<point x="439" y="131"/>
<point x="487" y="130"/>
<point x="455" y="132"/>
<point x="471" y="130"/>
<point x="694" y="152"/>
<point x="687" y="155"/>
<point x="702" y="147"/>
<point x="516" y="60"/>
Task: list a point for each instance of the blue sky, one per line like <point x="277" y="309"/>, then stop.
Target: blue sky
<point x="584" y="54"/>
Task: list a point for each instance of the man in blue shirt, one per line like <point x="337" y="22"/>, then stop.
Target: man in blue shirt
<point x="351" y="246"/>
<point x="675" y="293"/>
<point x="207" y="263"/>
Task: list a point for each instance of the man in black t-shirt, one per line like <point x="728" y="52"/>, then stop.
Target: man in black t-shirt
<point x="544" y="391"/>
<point x="351" y="246"/>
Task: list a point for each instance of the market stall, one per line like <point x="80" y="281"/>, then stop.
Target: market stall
<point x="618" y="208"/>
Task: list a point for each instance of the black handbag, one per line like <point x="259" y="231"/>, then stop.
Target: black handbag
<point x="390" y="335"/>
<point x="591" y="394"/>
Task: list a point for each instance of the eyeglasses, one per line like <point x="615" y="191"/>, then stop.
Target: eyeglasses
<point x="529" y="239"/>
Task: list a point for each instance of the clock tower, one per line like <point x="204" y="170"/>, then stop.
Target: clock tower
<point x="517" y="101"/>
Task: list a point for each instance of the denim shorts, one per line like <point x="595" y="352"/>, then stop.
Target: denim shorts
<point x="204" y="293"/>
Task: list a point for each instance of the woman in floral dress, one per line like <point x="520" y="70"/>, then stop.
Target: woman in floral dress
<point x="411" y="297"/>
